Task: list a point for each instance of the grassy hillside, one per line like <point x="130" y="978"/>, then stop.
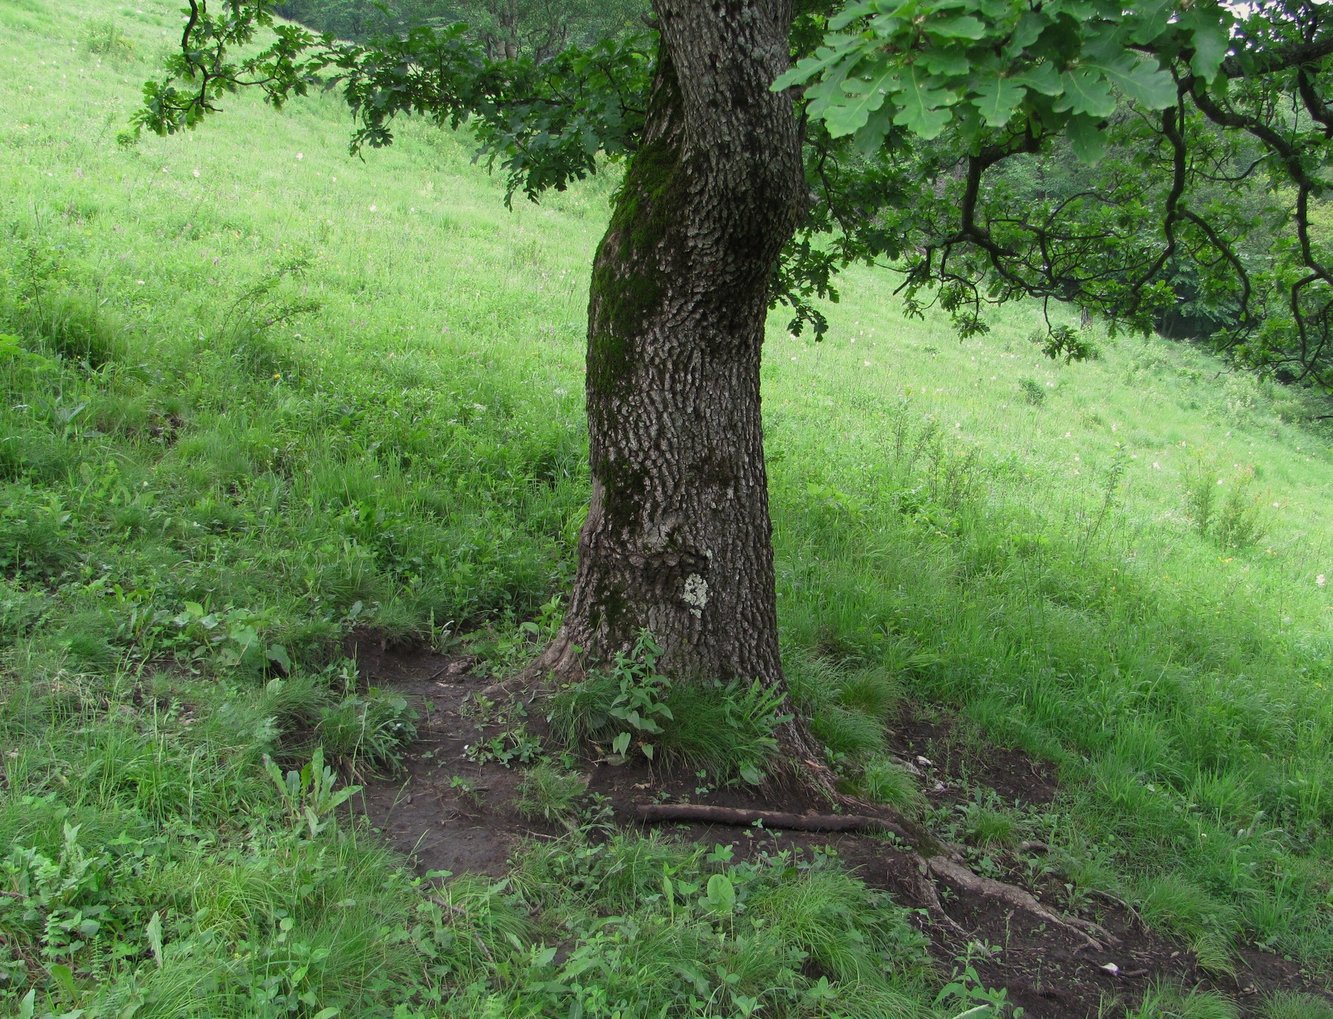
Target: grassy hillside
<point x="257" y="394"/>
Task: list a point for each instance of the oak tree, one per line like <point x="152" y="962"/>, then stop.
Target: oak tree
<point x="769" y="143"/>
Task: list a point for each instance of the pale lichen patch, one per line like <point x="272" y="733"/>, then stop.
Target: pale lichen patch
<point x="696" y="594"/>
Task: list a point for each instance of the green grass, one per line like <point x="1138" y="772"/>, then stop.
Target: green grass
<point x="549" y="794"/>
<point x="254" y="394"/>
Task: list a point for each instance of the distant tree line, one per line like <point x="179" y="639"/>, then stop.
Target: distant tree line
<point x="507" y="29"/>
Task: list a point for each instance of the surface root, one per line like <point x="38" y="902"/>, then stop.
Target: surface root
<point x="1013" y="896"/>
<point x="695" y="813"/>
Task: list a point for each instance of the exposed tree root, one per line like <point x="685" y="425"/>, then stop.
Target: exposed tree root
<point x="927" y="894"/>
<point x="1011" y="895"/>
<point x="946" y="864"/>
<point x="659" y="813"/>
<point x="561" y="659"/>
<point x="801" y="766"/>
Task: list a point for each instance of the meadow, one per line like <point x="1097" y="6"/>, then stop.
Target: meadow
<point x="258" y="394"/>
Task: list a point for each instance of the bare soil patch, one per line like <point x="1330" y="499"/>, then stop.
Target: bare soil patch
<point x="452" y="809"/>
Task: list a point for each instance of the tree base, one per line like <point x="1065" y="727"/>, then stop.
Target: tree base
<point x="804" y="771"/>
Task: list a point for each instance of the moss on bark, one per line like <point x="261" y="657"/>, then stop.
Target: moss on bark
<point x="626" y="286"/>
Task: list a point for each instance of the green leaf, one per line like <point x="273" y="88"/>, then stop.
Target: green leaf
<point x="1085" y="92"/>
<point x="827" y="93"/>
<point x="1030" y="26"/>
<point x="865" y="97"/>
<point x="1210" y="30"/>
<point x="1043" y="78"/>
<point x="1152" y="19"/>
<point x="950" y="61"/>
<point x="277" y="654"/>
<point x="816" y="64"/>
<point x="1086" y="138"/>
<point x="870" y="138"/>
<point x="852" y="12"/>
<point x="1079" y="10"/>
<point x="997" y="99"/>
<point x="721" y="893"/>
<point x="921" y="109"/>
<point x="64" y="976"/>
<point x="751" y="774"/>
<point x="621" y="743"/>
<point x="720" y="853"/>
<point x="962" y="27"/>
<point x="1139" y="78"/>
<point x="154" y="935"/>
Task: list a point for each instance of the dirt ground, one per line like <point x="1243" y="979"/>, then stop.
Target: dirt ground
<point x="449" y="813"/>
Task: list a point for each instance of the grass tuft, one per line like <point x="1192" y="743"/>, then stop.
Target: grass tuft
<point x="1294" y="1005"/>
<point x="546" y="793"/>
<point x="885" y="781"/>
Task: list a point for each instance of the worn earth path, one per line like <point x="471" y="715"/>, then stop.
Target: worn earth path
<point x="446" y="812"/>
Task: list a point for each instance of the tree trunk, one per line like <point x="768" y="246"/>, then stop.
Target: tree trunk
<point x="678" y="538"/>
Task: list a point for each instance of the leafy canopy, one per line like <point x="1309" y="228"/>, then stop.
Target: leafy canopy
<point x="912" y="111"/>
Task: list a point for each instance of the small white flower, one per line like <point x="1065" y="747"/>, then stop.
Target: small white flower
<point x="372" y="208"/>
<point x="1320" y="580"/>
<point x="300" y="156"/>
<point x="195" y="172"/>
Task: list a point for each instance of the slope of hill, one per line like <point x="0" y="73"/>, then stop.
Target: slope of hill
<point x="259" y="396"/>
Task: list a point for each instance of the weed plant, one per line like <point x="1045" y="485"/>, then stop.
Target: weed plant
<point x="725" y="729"/>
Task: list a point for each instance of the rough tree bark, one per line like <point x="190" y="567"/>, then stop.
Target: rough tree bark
<point x="678" y="538"/>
